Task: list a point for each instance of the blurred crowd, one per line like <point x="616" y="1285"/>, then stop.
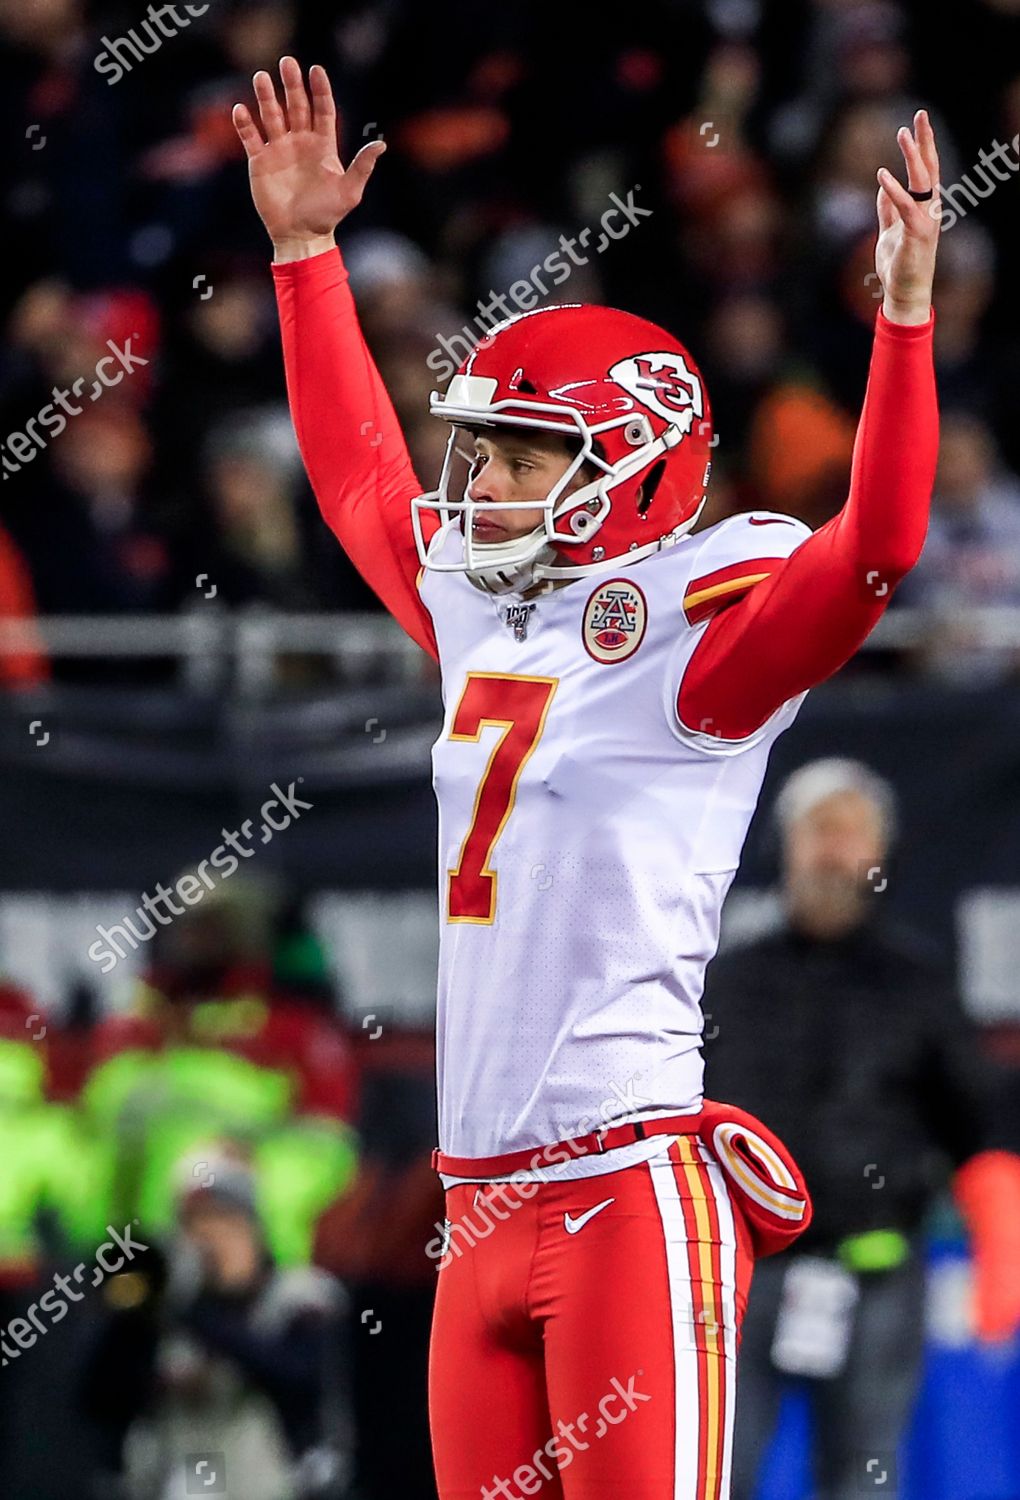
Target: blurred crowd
<point x="222" y="1176"/>
<point x="750" y="131"/>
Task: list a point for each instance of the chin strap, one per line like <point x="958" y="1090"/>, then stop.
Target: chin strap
<point x="513" y="578"/>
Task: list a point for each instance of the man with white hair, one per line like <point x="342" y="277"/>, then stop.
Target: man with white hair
<point x="851" y="1042"/>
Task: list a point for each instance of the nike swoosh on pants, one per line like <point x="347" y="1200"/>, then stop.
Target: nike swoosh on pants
<point x="572" y="1225"/>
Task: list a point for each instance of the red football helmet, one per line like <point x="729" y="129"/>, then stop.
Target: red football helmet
<point x="632" y="397"/>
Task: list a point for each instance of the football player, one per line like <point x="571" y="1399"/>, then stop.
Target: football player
<point x="613" y="680"/>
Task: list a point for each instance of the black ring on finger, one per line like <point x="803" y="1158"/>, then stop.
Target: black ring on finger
<point x="921" y="197"/>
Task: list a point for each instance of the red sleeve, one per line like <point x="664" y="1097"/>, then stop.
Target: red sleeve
<point x="350" y="440"/>
<point x="802" y="622"/>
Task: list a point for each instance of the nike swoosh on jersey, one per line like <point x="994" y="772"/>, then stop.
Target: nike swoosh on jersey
<point x="768" y="521"/>
<point x="572" y="1225"/>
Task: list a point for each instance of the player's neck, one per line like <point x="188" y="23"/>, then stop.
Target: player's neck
<point x="545" y="586"/>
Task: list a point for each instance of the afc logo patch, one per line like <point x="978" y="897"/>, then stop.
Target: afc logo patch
<point x="614" y="621"/>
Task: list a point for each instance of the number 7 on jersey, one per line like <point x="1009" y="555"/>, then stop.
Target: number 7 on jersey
<point x="517" y="705"/>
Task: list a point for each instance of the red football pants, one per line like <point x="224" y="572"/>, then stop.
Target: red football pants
<point x="585" y="1335"/>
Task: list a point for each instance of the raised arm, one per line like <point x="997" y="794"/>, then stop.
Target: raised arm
<point x="353" y="449"/>
<point x="801" y="623"/>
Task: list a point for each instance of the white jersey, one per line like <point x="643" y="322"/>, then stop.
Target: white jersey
<point x="587" y="839"/>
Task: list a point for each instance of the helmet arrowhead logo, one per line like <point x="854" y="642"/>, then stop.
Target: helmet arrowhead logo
<point x="663" y="383"/>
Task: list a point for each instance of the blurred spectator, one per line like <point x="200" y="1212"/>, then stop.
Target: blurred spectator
<point x="224" y="1357"/>
<point x="220" y="359"/>
<point x="854" y="49"/>
<point x="227" y="1035"/>
<point x="971" y="559"/>
<point x="374" y="1239"/>
<point x="844" y="205"/>
<point x="252" y="545"/>
<point x="744" y="343"/>
<point x="855" y="52"/>
<point x="45" y="1183"/>
<point x="800" y="447"/>
<point x="25" y="665"/>
<point x="964" y="287"/>
<point x="392" y="281"/>
<point x="96" y="550"/>
<point x="842" y="1036"/>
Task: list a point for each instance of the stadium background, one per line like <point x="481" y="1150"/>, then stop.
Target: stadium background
<point x="181" y="632"/>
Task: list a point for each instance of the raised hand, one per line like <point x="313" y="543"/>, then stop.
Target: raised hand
<point x="908" y="230"/>
<point x="299" y="187"/>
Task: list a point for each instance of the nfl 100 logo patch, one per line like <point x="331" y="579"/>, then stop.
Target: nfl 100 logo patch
<point x="614" y="621"/>
<point x="516" y="617"/>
